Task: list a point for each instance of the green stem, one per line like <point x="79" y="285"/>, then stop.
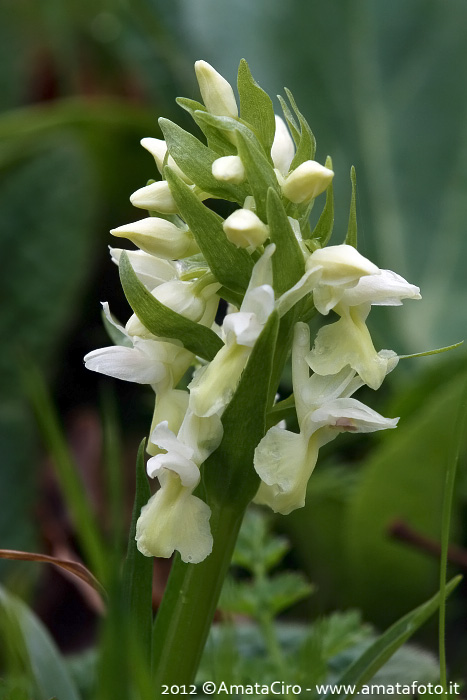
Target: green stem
<point x="268" y="630"/>
<point x="446" y="522"/>
<point x="184" y="618"/>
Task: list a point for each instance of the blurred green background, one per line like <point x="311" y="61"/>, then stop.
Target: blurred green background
<point x="383" y="86"/>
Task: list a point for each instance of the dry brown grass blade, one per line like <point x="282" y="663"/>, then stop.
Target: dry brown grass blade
<point x="74" y="567"/>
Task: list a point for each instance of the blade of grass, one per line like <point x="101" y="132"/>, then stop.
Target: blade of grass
<point x="47" y="665"/>
<point x="138" y="569"/>
<point x="381" y="650"/>
<point x="453" y="459"/>
<point x="66" y="470"/>
<point x="113" y="467"/>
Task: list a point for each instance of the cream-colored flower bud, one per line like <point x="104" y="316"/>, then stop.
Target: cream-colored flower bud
<point x="245" y="229"/>
<point x="283" y="149"/>
<point x="306" y="182"/>
<point x="158" y="149"/>
<point x="216" y="92"/>
<point x="155" y="197"/>
<point x="229" y="169"/>
<point x="159" y="237"/>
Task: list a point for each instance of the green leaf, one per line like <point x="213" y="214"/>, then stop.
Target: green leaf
<point x="138" y="569"/>
<point x="284" y="590"/>
<point x="256" y="107"/>
<point x="216" y="140"/>
<point x="256" y="546"/>
<point x="162" y="321"/>
<point x="196" y="160"/>
<point x="306" y="149"/>
<point x="231" y="126"/>
<point x="228" y="472"/>
<point x="48" y="667"/>
<point x="351" y="238"/>
<point x="292" y="124"/>
<point x="384" y="647"/>
<point x="323" y="229"/>
<point x="259" y="172"/>
<point x="288" y="264"/>
<point x="232" y="266"/>
<point x="403" y="479"/>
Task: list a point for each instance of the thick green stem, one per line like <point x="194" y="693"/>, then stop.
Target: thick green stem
<point x="184" y="618"/>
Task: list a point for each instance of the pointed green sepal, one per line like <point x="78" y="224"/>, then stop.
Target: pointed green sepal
<point x="232" y="266"/>
<point x="256" y="107"/>
<point x="288" y="264"/>
<point x="289" y="118"/>
<point x="306" y="149"/>
<point x="162" y="321"/>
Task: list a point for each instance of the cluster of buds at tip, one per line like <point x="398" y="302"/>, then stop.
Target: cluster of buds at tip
<point x="209" y="294"/>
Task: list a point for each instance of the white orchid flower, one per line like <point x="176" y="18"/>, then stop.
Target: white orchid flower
<point x="348" y="341"/>
<point x="329" y="272"/>
<point x="285" y="460"/>
<point x="144" y="361"/>
<point x="175" y="519"/>
<point x="213" y="385"/>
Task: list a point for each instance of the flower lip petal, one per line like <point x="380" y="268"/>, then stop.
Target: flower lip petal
<point x="178" y="521"/>
<point x="164" y="438"/>
<point x="129" y="364"/>
<point x="174" y="462"/>
<point x="350" y="415"/>
<point x="385" y="289"/>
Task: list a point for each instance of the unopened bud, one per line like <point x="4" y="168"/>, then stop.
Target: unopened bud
<point x="155" y="197"/>
<point x="283" y="149"/>
<point x="306" y="182"/>
<point x="158" y="149"/>
<point x="159" y="237"/>
<point x="229" y="169"/>
<point x="245" y="229"/>
<point x="216" y="92"/>
<point x="340" y="264"/>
